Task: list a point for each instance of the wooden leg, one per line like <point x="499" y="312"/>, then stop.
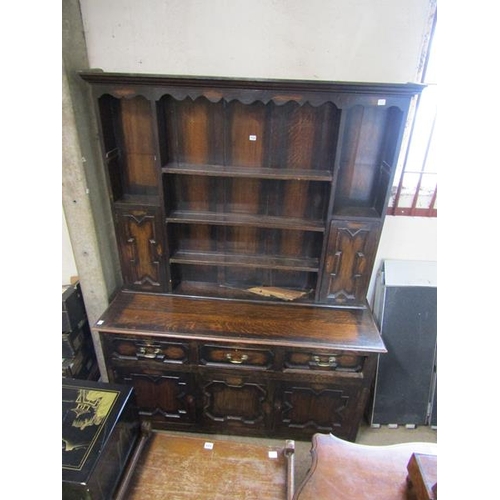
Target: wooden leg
<point x="121" y="490"/>
<point x="289" y="454"/>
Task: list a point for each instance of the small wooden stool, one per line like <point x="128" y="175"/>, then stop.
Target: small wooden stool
<point x="344" y="470"/>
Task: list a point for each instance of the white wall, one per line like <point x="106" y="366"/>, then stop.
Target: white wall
<point x="356" y="40"/>
<point x="407" y="238"/>
<point x="352" y="40"/>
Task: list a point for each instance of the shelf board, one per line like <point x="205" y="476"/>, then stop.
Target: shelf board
<point x="232" y="292"/>
<point x="138" y="199"/>
<point x="356" y="211"/>
<point x="257" y="220"/>
<point x="245" y="260"/>
<point x="259" y="173"/>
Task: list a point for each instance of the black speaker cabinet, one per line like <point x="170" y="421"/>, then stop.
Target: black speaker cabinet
<point x="405" y="308"/>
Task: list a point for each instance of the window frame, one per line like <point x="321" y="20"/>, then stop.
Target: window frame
<point x="402" y="189"/>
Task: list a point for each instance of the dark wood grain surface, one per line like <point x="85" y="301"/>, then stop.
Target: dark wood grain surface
<point x="244" y="322"/>
<point x="344" y="471"/>
<point x="179" y="467"/>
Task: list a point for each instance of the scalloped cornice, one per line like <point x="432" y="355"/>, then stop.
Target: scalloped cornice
<point x="247" y="91"/>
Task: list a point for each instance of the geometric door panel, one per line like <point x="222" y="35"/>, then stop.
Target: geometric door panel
<point x="321" y="408"/>
<point x="162" y="398"/>
<point x="235" y="404"/>
<point x="141" y="251"/>
<point x="349" y="258"/>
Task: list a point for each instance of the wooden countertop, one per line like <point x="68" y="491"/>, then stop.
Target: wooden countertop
<point x="243" y="322"/>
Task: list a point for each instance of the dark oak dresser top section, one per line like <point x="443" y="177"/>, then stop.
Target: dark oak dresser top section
<point x="244" y="322"/>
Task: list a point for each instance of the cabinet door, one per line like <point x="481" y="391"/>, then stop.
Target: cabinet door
<point x="304" y="409"/>
<point x="140" y="240"/>
<point x="350" y="255"/>
<point x="166" y="399"/>
<point x="235" y="404"/>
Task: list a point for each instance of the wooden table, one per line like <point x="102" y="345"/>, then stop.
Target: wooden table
<point x="186" y="468"/>
<point x="343" y="470"/>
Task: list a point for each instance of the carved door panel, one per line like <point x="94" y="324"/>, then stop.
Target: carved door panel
<point x="235" y="403"/>
<point x="349" y="260"/>
<point x="140" y="240"/>
<point x="305" y="409"/>
<point x="163" y="398"/>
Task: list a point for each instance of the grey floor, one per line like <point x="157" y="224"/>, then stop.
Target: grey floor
<point x="384" y="435"/>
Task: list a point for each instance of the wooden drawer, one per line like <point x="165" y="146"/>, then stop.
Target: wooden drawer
<point x="233" y="356"/>
<point x="148" y="349"/>
<point x="322" y="360"/>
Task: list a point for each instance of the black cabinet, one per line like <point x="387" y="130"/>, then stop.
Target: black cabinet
<point x="100" y="427"/>
<point x="405" y="308"/>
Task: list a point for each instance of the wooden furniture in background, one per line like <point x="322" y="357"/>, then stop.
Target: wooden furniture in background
<point x="422" y="476"/>
<point x="265" y="196"/>
<point x="78" y="354"/>
<point x="343" y="471"/>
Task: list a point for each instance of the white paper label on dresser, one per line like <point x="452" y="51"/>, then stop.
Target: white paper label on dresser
<point x="381" y="102"/>
<point x="273" y="454"/>
<point x="208" y="446"/>
<point x="100" y="322"/>
<point x="252" y="137"/>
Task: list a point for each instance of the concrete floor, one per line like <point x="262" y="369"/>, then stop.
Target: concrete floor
<point x="367" y="435"/>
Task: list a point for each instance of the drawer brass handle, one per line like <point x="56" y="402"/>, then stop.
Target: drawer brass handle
<point x="149" y="351"/>
<point x="238" y="360"/>
<point x="331" y="363"/>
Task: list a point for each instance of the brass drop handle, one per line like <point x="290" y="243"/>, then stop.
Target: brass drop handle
<point x="331" y="363"/>
<point x="238" y="360"/>
<point x="149" y="351"/>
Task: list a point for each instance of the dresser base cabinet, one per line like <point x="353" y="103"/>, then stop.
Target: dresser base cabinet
<point x="244" y="368"/>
